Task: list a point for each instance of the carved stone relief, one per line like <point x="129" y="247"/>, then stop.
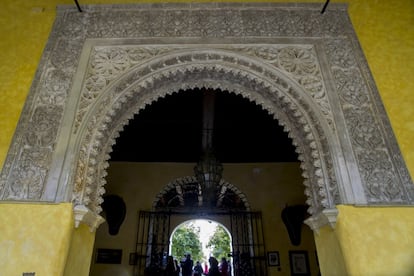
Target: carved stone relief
<point x="102" y="66"/>
<point x="212" y="68"/>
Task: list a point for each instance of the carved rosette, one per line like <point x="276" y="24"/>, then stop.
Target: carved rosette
<point x="107" y="64"/>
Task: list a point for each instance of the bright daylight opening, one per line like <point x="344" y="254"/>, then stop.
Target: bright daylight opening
<point x="201" y="242"/>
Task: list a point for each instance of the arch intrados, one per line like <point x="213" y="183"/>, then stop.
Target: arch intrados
<point x="192" y="179"/>
<point x="277" y="100"/>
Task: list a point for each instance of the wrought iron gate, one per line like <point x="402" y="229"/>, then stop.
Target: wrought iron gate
<point x="248" y="243"/>
<point x="153" y="238"/>
<point x="152" y="244"/>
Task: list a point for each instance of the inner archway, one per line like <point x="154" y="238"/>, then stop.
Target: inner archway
<point x="214" y="241"/>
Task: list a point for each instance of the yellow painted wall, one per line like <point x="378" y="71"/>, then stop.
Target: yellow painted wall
<point x="330" y="254"/>
<point x="268" y="188"/>
<point x="368" y="241"/>
<point x="377" y="241"/>
<point x="34" y="238"/>
<point x="80" y="251"/>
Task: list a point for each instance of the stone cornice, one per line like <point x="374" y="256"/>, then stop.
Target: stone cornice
<point x="83" y="215"/>
<point x="325" y="218"/>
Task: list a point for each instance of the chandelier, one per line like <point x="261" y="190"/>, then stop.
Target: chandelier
<point x="208" y="170"/>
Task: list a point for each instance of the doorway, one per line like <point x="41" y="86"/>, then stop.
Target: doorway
<point x="154" y="240"/>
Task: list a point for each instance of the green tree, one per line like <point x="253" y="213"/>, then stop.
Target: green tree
<point x="219" y="243"/>
<point x="186" y="239"/>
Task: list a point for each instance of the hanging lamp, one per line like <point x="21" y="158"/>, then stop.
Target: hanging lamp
<point x="208" y="170"/>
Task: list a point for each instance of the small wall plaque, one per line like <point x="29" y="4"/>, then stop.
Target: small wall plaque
<point x="108" y="256"/>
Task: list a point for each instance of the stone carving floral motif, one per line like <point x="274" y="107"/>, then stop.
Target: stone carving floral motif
<point x="108" y="63"/>
<point x="101" y="66"/>
<point x="375" y="162"/>
<point x="30" y="175"/>
<point x="164" y="75"/>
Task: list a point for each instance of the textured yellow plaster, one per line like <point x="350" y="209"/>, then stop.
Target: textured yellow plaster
<point x="331" y="260"/>
<point x="80" y="252"/>
<point x="386" y="34"/>
<point x="377" y="240"/>
<point x="34" y="238"/>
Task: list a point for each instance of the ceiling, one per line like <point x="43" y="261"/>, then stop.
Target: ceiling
<point x="170" y="130"/>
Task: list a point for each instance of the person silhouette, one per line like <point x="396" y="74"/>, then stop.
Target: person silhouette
<point x="187" y="266"/>
<point x="224" y="267"/>
<point x="198" y="270"/>
<point x="214" y="269"/>
<point x="170" y="268"/>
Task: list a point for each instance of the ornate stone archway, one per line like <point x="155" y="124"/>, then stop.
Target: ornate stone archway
<point x="198" y="67"/>
<point x="102" y="66"/>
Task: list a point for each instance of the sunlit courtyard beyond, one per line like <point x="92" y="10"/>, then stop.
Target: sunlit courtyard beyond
<point x="200" y="244"/>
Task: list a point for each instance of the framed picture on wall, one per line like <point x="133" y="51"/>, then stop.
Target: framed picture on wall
<point x="273" y="258"/>
<point x="108" y="256"/>
<point x="299" y="263"/>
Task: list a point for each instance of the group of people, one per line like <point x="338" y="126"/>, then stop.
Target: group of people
<point x="216" y="269"/>
<point x="187" y="267"/>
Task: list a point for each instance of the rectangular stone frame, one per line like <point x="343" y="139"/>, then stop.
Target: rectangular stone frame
<point x="29" y="173"/>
